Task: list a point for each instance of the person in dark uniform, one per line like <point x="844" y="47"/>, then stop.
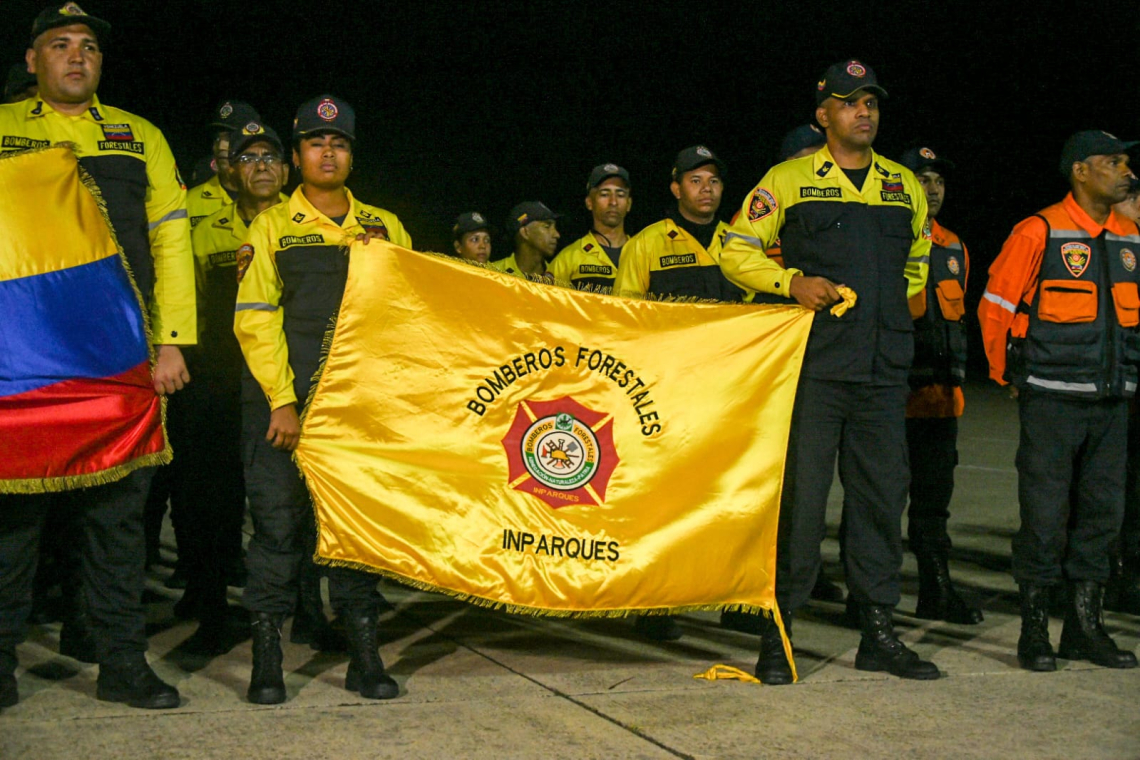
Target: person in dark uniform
<point x="1060" y="318"/>
<point x="292" y="272"/>
<point x="146" y="203"/>
<point x="936" y="400"/>
<point x="1123" y="592"/>
<point x="210" y="476"/>
<point x="845" y="216"/>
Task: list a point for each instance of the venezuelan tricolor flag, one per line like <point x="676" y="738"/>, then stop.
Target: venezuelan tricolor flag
<point x="77" y="407"/>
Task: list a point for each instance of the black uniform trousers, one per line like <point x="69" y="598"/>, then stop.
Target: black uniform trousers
<point x="1070" y="482"/>
<point x="209" y="477"/>
<point x="863" y="425"/>
<point x="1130" y="528"/>
<point x="113" y="554"/>
<point x="932" y="444"/>
<point x="282" y="514"/>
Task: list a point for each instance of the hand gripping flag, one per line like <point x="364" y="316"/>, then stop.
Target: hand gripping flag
<point x="549" y="451"/>
<point x="77" y="407"/>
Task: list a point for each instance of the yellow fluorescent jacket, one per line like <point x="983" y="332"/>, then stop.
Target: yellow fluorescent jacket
<point x="873" y="239"/>
<point x="584" y="262"/>
<point x="295" y="227"/>
<point x="816" y="178"/>
<point x="206" y="198"/>
<point x="146" y="201"/>
<point x="664" y="259"/>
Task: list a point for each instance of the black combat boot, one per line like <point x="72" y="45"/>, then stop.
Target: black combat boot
<point x="880" y="649"/>
<point x="266" y="682"/>
<point x="1084" y="637"/>
<point x="657" y="627"/>
<point x="310" y="626"/>
<point x="366" y="674"/>
<point x="1034" y="652"/>
<point x="128" y="678"/>
<point x="773" y="668"/>
<point x="744" y="622"/>
<point x="937" y="598"/>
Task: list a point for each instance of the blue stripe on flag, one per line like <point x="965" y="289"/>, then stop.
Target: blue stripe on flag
<point x="81" y="322"/>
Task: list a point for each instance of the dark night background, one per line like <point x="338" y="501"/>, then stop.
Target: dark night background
<point x="479" y="105"/>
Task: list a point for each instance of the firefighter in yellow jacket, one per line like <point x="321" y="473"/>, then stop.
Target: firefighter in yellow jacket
<point x="221" y="189"/>
<point x="130" y="161"/>
<point x="844" y="216"/>
<point x="592" y="260"/>
<point x="292" y="271"/>
<point x="680" y="255"/>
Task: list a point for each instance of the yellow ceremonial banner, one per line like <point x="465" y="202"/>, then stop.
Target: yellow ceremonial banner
<point x="546" y="450"/>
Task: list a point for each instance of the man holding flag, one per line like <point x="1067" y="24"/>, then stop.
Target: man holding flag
<point x="129" y="160"/>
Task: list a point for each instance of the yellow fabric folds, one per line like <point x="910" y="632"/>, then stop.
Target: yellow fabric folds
<point x="547" y="450"/>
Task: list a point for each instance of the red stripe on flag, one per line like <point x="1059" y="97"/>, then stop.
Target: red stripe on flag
<point x="80" y="427"/>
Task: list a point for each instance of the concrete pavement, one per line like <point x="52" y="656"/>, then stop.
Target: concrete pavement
<point x="484" y="684"/>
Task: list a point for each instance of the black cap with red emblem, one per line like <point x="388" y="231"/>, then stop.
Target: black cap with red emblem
<point x="844" y="79"/>
<point x="325" y="113"/>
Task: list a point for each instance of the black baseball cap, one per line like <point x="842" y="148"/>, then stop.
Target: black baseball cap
<point x="325" y="113"/>
<point x="1091" y="142"/>
<point x="843" y="79"/>
<point x="918" y="158"/>
<point x="233" y="114"/>
<point x="469" y="222"/>
<point x="66" y="15"/>
<point x="527" y="212"/>
<point x="602" y="172"/>
<point x="18" y="79"/>
<point x="251" y="133"/>
<point x="693" y="157"/>
<point x="804" y="136"/>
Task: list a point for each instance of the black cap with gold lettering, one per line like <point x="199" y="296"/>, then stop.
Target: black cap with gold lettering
<point x="66" y="15"/>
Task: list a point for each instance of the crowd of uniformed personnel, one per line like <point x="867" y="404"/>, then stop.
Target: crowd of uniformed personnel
<point x="241" y="281"/>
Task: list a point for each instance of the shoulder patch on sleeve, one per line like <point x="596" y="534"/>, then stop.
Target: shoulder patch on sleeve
<point x="244" y="257"/>
<point x="763" y="204"/>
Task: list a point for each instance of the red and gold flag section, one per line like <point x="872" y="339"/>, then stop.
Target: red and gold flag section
<point x="546" y="450"/>
<point x="77" y="407"/>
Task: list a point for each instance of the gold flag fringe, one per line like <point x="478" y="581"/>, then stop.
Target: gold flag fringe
<point x="118" y="472"/>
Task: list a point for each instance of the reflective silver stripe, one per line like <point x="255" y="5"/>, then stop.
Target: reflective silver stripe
<point x="993" y="298"/>
<point x="957" y="372"/>
<point x="953" y="246"/>
<point x="746" y="238"/>
<point x="922" y="260"/>
<point x="1060" y="385"/>
<point x="255" y="307"/>
<point x="1128" y="387"/>
<point x="1069" y="234"/>
<point x="1122" y="238"/>
<point x="176" y="214"/>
